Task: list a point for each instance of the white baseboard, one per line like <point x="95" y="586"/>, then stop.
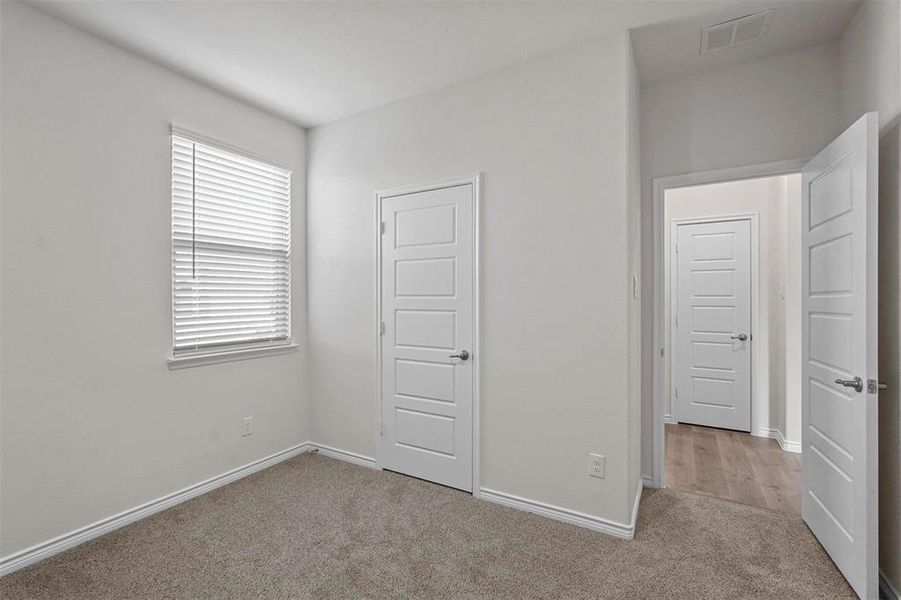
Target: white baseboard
<point x="620" y="530"/>
<point x="669" y="419"/>
<point x="885" y="586"/>
<point x="635" y="503"/>
<point x="351" y="457"/>
<point x="648" y="481"/>
<point x="38" y="552"/>
<point x="775" y="434"/>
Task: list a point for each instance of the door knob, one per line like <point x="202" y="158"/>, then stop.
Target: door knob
<point x="856" y="383"/>
<point x="462" y="355"/>
<point x="741" y="337"/>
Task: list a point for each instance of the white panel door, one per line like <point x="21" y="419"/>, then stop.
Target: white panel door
<point x="839" y="426"/>
<point x="427" y="309"/>
<point x="712" y="361"/>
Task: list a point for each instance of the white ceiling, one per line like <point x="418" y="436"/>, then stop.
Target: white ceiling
<point x="670" y="50"/>
<point x="313" y="62"/>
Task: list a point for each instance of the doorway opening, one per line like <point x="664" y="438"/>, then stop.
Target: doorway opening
<point x="838" y="340"/>
<point x="731" y="414"/>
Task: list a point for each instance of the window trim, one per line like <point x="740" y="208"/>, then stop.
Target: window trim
<point x="199" y="359"/>
<point x="194" y="358"/>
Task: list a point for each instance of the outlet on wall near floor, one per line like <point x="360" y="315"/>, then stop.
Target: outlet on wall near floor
<point x="596" y="465"/>
<point x="246" y="426"/>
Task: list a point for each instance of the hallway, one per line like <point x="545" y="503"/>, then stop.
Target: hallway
<point x="733" y="465"/>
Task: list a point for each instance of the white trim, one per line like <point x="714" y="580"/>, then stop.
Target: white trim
<point x="661" y="184"/>
<point x="633" y="520"/>
<point x="38" y="552"/>
<point x="885" y="586"/>
<point x="474" y="179"/>
<point x="647" y="481"/>
<point x="759" y="406"/>
<point x="669" y="419"/>
<point x="233" y="148"/>
<point x="775" y="434"/>
<point x="213" y="358"/>
<point x="345" y="455"/>
<point x="620" y="530"/>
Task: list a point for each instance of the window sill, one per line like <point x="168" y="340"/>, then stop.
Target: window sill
<point x="213" y="358"/>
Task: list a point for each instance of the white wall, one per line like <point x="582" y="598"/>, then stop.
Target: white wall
<point x="633" y="181"/>
<point x="769" y="198"/>
<point x="870" y="58"/>
<point x="548" y="136"/>
<point x="777" y="108"/>
<point x="93" y="422"/>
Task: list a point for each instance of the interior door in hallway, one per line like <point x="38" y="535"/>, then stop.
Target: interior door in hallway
<point x="838" y="346"/>
<point x="427" y="314"/>
<point x="712" y="324"/>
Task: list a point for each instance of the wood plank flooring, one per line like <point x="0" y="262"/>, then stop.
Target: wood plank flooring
<point x="733" y="466"/>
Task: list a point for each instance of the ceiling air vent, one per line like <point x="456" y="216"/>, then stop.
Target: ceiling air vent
<point x="737" y="31"/>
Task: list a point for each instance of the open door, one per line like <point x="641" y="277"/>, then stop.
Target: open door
<point x="839" y="422"/>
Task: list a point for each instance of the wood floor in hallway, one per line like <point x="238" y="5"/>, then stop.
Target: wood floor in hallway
<point x="733" y="466"/>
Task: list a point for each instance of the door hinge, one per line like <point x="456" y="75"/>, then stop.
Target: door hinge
<point x="382" y="328"/>
<point x="873" y="386"/>
<point x="382" y="227"/>
<point x="677" y="392"/>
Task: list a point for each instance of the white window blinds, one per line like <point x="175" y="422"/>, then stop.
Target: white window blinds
<point x="231" y="248"/>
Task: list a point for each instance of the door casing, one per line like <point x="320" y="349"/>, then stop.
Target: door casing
<point x="753" y="217"/>
<point x="473" y="179"/>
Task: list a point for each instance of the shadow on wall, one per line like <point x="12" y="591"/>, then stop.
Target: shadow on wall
<point x="890" y="347"/>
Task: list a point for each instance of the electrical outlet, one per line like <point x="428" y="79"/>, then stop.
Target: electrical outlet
<point x="246" y="426"/>
<point x="596" y="465"/>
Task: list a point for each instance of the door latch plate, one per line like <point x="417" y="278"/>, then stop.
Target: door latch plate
<point x="873" y="386"/>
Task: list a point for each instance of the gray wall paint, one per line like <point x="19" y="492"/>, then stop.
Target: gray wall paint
<point x="93" y="422"/>
<point x="548" y="137"/>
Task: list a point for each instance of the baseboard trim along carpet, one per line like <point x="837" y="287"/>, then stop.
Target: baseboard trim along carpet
<point x="885" y="586"/>
<point x="620" y="530"/>
<point x="351" y="457"/>
<point x="783" y="443"/>
<point x="39" y="552"/>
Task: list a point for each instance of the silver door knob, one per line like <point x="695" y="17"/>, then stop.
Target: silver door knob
<point x="741" y="337"/>
<point x="856" y="383"/>
<point x="462" y="355"/>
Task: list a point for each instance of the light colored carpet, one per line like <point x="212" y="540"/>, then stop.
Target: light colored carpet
<point x="314" y="527"/>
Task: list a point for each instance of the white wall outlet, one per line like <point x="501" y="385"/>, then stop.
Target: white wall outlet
<point x="246" y="426"/>
<point x="597" y="464"/>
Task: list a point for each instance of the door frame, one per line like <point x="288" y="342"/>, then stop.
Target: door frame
<point x="474" y="179"/>
<point x="753" y="218"/>
<point x="660" y="185"/>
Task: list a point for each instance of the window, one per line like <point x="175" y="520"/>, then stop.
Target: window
<point x="231" y="250"/>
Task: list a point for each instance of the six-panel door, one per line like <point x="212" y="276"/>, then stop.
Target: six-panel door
<point x="427" y="309"/>
<point x="713" y="310"/>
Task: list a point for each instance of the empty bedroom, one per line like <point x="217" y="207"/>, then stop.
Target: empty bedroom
<point x="432" y="299"/>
